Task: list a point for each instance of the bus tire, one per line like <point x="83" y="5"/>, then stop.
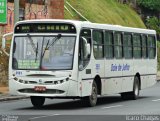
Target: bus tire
<point x="136" y="88"/>
<point x="37" y="102"/>
<point x="92" y="99"/>
<point x="135" y="93"/>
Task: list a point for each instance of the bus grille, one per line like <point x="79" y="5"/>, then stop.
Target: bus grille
<point x="48" y="91"/>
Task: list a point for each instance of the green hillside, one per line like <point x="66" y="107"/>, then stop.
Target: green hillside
<point x="104" y="11"/>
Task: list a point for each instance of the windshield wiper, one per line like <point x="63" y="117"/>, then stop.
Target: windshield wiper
<point x="53" y="41"/>
<point x="31" y="41"/>
<point x="46" y="48"/>
<point x="36" y="52"/>
<point x="33" y="46"/>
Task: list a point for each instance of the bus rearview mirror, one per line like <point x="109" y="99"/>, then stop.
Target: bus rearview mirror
<point x="3" y="43"/>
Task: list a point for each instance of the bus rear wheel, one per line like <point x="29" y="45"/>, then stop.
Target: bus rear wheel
<point x="136" y="89"/>
<point x="37" y="102"/>
<point x="92" y="99"/>
<point x="135" y="93"/>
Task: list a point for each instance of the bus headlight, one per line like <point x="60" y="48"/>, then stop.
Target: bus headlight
<point x="15" y="78"/>
<point x="55" y="82"/>
<point x="26" y="82"/>
<point x="67" y="79"/>
<point x="61" y="81"/>
<point x="21" y="81"/>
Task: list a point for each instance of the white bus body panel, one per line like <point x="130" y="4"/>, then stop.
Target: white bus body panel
<point x="80" y="83"/>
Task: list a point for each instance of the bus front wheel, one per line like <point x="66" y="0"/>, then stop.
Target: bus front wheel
<point x="37" y="102"/>
<point x="92" y="99"/>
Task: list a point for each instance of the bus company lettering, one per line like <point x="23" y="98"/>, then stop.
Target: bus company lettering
<point x="124" y="67"/>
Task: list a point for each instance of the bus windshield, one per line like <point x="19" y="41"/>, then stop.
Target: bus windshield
<point x="43" y="52"/>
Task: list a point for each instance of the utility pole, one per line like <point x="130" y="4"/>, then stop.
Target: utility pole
<point x="16" y="11"/>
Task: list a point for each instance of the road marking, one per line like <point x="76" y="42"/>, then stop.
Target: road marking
<point x="156" y="100"/>
<point x="115" y="106"/>
<point x="42" y="117"/>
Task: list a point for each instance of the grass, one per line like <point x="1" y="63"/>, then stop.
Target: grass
<point x="0" y="41"/>
<point x="105" y="11"/>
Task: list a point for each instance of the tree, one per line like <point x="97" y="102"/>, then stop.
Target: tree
<point x="153" y="23"/>
<point x="150" y="4"/>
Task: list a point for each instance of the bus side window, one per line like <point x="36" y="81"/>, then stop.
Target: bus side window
<point x="109" y="45"/>
<point x="137" y="46"/>
<point x="118" y="45"/>
<point x="151" y="47"/>
<point x="144" y="46"/>
<point x="98" y="44"/>
<point x="127" y="43"/>
<point x="85" y="38"/>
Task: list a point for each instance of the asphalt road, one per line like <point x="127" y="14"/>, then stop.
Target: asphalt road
<point x="108" y="108"/>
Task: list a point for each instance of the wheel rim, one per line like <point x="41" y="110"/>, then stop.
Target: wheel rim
<point x="136" y="91"/>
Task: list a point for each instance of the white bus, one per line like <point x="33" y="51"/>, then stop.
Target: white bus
<point x="75" y="59"/>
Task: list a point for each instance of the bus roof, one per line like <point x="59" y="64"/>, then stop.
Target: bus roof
<point x="87" y="24"/>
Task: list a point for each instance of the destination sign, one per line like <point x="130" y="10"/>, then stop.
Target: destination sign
<point x="45" y="28"/>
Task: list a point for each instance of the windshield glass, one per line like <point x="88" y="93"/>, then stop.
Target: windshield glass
<point x="38" y="52"/>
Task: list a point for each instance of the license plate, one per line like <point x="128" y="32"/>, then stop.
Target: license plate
<point x="40" y="88"/>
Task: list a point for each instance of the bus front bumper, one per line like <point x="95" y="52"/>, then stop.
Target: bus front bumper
<point x="66" y="89"/>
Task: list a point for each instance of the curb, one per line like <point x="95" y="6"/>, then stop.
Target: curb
<point x="4" y="97"/>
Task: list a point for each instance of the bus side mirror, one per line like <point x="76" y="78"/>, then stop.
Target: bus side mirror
<point x="3" y="43"/>
<point x="4" y="40"/>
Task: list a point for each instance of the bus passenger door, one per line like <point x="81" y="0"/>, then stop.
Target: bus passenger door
<point x="98" y="58"/>
<point x="85" y="70"/>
